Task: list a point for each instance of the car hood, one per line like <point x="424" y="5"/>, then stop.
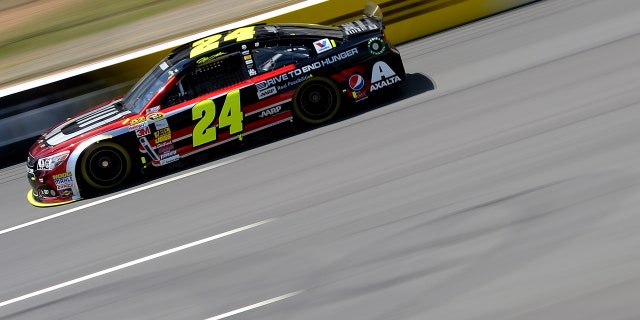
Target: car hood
<point x="86" y="122"/>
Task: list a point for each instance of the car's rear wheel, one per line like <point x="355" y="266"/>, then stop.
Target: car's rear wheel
<point x="105" y="165"/>
<point x="317" y="101"/>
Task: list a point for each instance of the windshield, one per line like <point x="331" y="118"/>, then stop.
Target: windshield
<point x="149" y="86"/>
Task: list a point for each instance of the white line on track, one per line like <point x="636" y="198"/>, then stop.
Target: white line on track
<point x="253" y="306"/>
<point x="162" y="46"/>
<point x="123" y="194"/>
<point x="132" y="263"/>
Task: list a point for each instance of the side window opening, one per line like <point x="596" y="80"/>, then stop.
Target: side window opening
<point x="207" y="77"/>
<point x="274" y="57"/>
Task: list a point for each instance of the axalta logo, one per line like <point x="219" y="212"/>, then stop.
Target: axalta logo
<point x="270" y="111"/>
<point x="322" y="45"/>
<point x="383" y="76"/>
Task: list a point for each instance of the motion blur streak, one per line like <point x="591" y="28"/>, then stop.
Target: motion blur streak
<point x="510" y="191"/>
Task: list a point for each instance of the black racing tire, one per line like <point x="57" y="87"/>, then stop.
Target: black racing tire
<point x="105" y="165"/>
<point x="317" y="100"/>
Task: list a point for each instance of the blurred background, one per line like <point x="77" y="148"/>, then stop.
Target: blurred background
<point x="507" y="189"/>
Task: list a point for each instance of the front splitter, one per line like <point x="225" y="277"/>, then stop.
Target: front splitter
<point x="38" y="204"/>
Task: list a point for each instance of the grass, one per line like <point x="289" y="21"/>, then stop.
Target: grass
<point x="31" y="24"/>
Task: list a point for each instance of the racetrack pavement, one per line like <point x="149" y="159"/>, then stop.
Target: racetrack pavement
<point x="509" y="191"/>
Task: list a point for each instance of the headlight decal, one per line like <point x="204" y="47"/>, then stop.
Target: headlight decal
<point x="53" y="161"/>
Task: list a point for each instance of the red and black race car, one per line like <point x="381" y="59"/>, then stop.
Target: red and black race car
<point x="222" y="88"/>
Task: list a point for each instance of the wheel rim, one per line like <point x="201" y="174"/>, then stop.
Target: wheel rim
<point x="106" y="168"/>
<point x="317" y="101"/>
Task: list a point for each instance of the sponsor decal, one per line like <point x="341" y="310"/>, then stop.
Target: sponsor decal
<point x="339" y="56"/>
<point x="206" y="59"/>
<point x="285" y="77"/>
<point x="162" y="135"/>
<point x="143" y="132"/>
<point x="267" y="92"/>
<point x="63" y="180"/>
<point x="152" y="110"/>
<point x="271" y="82"/>
<point x="356" y="27"/>
<point x="161" y="124"/>
<point x="138" y="126"/>
<point x="376" y="46"/>
<point x="165" y="147"/>
<point x="252" y="72"/>
<point x="270" y="111"/>
<point x="164" y="66"/>
<point x="356" y="82"/>
<point x="293" y="83"/>
<point x="168" y="154"/>
<point x="170" y="159"/>
<point x="322" y="45"/>
<point x="382" y="76"/>
<point x="66" y="193"/>
<point x="156" y="116"/>
<point x="137" y="123"/>
<point x="165" y="144"/>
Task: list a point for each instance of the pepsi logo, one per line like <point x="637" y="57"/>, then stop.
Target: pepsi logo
<point x="356" y="82"/>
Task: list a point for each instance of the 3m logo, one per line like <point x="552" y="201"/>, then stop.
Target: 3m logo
<point x="322" y="45"/>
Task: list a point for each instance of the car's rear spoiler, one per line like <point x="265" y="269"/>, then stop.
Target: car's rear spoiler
<point x="370" y="22"/>
<point x="372" y="10"/>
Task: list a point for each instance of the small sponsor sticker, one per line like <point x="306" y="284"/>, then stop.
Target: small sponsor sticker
<point x="161" y="124"/>
<point x="322" y="45"/>
<point x="270" y="111"/>
<point x="376" y="46"/>
<point x="155" y="116"/>
<point x="143" y="132"/>
<point x="63" y="180"/>
<point x="267" y="92"/>
<point x="162" y="135"/>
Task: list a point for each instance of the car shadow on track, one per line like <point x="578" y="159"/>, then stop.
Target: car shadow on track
<point x="414" y="85"/>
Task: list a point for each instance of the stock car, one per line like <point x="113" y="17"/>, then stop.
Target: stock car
<point x="222" y="88"/>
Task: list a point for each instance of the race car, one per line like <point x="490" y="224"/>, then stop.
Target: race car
<point x="213" y="91"/>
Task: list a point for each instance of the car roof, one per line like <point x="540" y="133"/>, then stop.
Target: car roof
<point x="263" y="32"/>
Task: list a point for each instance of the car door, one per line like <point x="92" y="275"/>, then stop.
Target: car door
<point x="202" y="109"/>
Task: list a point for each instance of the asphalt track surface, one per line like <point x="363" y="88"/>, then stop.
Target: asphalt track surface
<point x="510" y="191"/>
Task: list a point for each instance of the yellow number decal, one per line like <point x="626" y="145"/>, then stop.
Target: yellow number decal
<point x="241" y="34"/>
<point x="231" y="115"/>
<point x="205" y="111"/>
<point x="213" y="42"/>
<point x="203" y="45"/>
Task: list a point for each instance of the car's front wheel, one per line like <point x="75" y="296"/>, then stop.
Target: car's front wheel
<point x="317" y="101"/>
<point x="105" y="165"/>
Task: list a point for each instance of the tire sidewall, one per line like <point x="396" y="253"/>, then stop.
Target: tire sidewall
<point x="86" y="176"/>
<point x="327" y="83"/>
